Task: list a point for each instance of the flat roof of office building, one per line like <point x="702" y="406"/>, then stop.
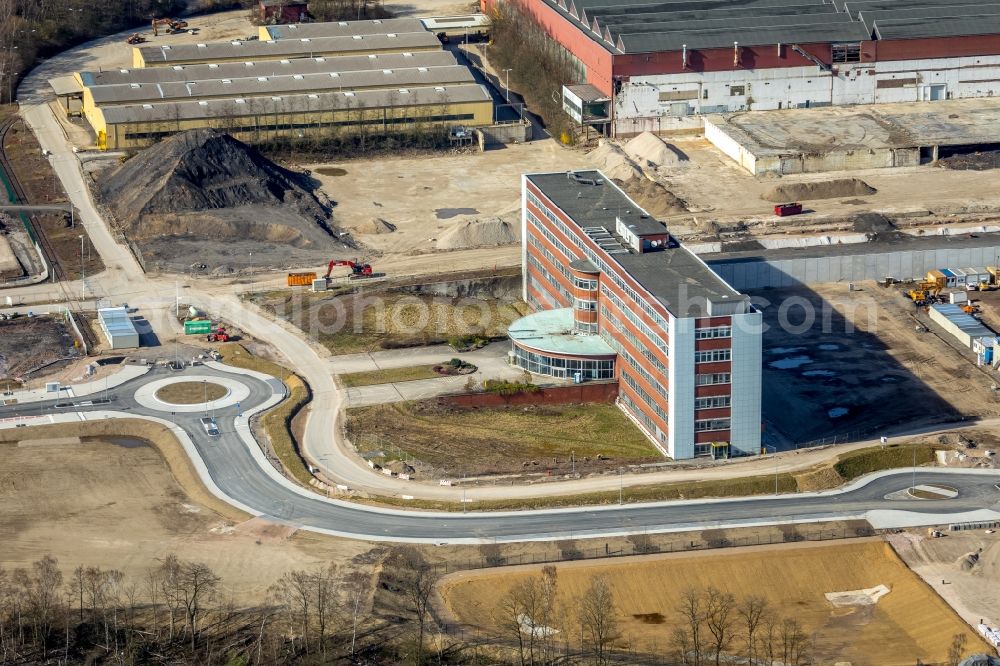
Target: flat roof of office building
<point x="302" y="48"/>
<point x="675" y="276"/>
<point x="254" y="68"/>
<point x="298" y="103"/>
<point x="345" y="28"/>
<point x="631" y="26"/>
<point x="417" y="77"/>
<point x="551" y="331"/>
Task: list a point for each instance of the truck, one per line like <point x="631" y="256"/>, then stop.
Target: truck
<point x="210" y="426"/>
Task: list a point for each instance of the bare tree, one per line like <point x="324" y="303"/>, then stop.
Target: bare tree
<point x="794" y="646"/>
<point x="720" y="620"/>
<point x="692" y="611"/>
<point x="513" y="615"/>
<point x="957" y="649"/>
<point x="41" y="590"/>
<point x="197" y="585"/>
<point x="419" y="579"/>
<point x="751" y="611"/>
<point x="597" y="618"/>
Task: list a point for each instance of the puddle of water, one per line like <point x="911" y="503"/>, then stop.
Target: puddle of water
<point x="785" y="350"/>
<point x="819" y="373"/>
<point x="837" y="412"/>
<point x="448" y="213"/>
<point x="790" y="363"/>
<point x="331" y="171"/>
<point x="830" y="347"/>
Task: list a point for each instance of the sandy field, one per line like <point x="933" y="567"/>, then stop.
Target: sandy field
<point x="9" y="265"/>
<point x="425" y="196"/>
<point x="113" y="502"/>
<point x="910" y="622"/>
<point x="970" y="584"/>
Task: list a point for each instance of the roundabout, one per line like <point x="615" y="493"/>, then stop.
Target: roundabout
<point x="185" y="391"/>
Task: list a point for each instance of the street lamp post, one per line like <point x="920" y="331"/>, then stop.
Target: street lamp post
<point x="251" y="273"/>
<point x="204" y="384"/>
<point x="83" y="273"/>
<point x="620" y="484"/>
<point x="506" y="85"/>
<point x="775" y="454"/>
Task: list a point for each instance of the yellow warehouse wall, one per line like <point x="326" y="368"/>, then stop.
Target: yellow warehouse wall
<point x="481" y="112"/>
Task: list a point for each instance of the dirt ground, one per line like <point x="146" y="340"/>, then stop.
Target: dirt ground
<point x="118" y="506"/>
<point x="860" y="366"/>
<point x="28" y="343"/>
<point x="346" y="321"/>
<point x="971" y="588"/>
<point x="908" y="623"/>
<point x="425" y="196"/>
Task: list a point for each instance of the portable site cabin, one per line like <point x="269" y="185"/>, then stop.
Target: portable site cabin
<point x="960" y="276"/>
<point x="983" y="348"/>
<point x="118" y="328"/>
<point x="976" y="276"/>
<point x="939" y="278"/>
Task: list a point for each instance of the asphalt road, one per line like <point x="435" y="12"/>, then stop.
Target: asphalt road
<point x="236" y="471"/>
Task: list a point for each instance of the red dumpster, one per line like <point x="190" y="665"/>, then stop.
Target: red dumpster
<point x="781" y="210"/>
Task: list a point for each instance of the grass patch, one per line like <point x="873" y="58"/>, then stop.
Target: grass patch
<point x="191" y="393"/>
<point x="743" y="487"/>
<point x="452" y="440"/>
<point x="388" y="376"/>
<point x="277" y="422"/>
<point x="864" y="461"/>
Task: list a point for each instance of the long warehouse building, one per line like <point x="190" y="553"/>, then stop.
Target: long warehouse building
<point x="617" y="297"/>
<point x="340" y="28"/>
<point x="658" y="66"/>
<point x="258" y="119"/>
<point x="266" y="86"/>
<point x="241" y="51"/>
<point x="288" y="66"/>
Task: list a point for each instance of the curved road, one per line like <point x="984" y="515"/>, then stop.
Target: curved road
<point x="236" y="471"/>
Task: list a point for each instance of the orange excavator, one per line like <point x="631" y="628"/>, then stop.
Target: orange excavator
<point x="358" y="270"/>
<point x="173" y="26"/>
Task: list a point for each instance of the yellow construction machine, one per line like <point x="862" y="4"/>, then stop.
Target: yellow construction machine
<point x="924" y="292"/>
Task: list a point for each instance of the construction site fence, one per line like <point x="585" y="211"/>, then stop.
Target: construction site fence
<point x="643" y="544"/>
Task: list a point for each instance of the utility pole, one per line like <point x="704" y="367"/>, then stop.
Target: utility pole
<point x="913" y="478"/>
<point x="620" y="485"/>
<point x="83" y="274"/>
<point x="251" y="273"/>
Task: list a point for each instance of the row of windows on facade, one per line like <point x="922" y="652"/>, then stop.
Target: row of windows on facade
<point x="705" y="425"/>
<point x="605" y="268"/>
<point x="700" y="334"/>
<point x="563" y="367"/>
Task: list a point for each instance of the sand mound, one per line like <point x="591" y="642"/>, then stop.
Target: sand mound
<point x="478" y="233"/>
<point x="968" y="562"/>
<point x="376" y="225"/>
<point x="656" y="199"/>
<point x="613" y="162"/>
<point x="823" y="189"/>
<point x="650" y="150"/>
<point x="191" y="183"/>
<point x="866" y="597"/>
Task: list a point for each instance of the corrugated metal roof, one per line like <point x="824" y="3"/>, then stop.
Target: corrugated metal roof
<point x="116" y="321"/>
<point x="296" y="83"/>
<point x="348" y="28"/>
<point x="233" y="70"/>
<point x="255" y="106"/>
<point x="302" y="48"/>
<point x="966" y="322"/>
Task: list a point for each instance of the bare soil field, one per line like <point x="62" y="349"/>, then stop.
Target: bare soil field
<point x="427" y="196"/>
<point x="354" y="319"/>
<point x="26" y="344"/>
<point x="909" y="623"/>
<point x="119" y="506"/>
<point x="857" y="364"/>
<point x="440" y="440"/>
<point x="963" y="567"/>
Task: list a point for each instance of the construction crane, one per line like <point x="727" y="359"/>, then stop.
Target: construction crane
<point x="173" y="26"/>
<point x="358" y="269"/>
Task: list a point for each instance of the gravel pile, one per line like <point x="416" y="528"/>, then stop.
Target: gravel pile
<point x="653" y="152"/>
<point x="204" y="185"/>
<point x="484" y="232"/>
<point x="820" y="189"/>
